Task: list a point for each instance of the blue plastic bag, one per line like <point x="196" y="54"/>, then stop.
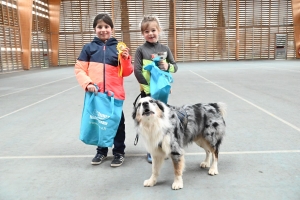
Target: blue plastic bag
<point x="160" y="82"/>
<point x="100" y="119"/>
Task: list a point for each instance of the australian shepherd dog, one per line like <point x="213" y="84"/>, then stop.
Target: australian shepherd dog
<point x="166" y="130"/>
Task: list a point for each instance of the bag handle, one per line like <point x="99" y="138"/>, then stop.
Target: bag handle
<point x="109" y="94"/>
<point x="112" y="101"/>
<point x="166" y="74"/>
<point x="169" y="77"/>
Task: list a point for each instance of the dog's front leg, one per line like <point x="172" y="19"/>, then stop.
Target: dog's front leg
<point x="213" y="170"/>
<point x="156" y="165"/>
<point x="206" y="162"/>
<point x="178" y="170"/>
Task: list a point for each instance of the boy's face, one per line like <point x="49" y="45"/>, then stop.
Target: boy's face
<point x="151" y="33"/>
<point x="103" y="30"/>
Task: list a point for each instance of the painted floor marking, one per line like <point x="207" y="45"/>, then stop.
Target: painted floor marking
<point x="36" y="86"/>
<point x="243" y="68"/>
<point x="37" y="102"/>
<point x="144" y="155"/>
<point x="256" y="106"/>
<point x="289" y="70"/>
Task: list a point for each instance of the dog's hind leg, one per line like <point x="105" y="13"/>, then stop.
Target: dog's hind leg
<point x="178" y="170"/>
<point x="206" y="162"/>
<point x="213" y="170"/>
<point x="204" y="144"/>
<point x="157" y="161"/>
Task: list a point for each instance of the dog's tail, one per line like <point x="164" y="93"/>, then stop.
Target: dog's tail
<point x="223" y="108"/>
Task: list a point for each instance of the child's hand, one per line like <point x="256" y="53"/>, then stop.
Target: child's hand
<point x="125" y="53"/>
<point x="163" y="65"/>
<point x="92" y="88"/>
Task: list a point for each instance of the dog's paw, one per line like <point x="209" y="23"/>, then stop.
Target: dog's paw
<point x="204" y="165"/>
<point x="177" y="185"/>
<point x="213" y="171"/>
<point x="149" y="183"/>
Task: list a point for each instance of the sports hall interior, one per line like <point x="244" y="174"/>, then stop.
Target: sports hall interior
<point x="244" y="53"/>
<point x="49" y="33"/>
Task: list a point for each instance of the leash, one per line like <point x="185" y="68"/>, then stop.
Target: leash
<point x="134" y="103"/>
<point x="136" y="140"/>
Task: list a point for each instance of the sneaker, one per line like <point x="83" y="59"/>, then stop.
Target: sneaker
<point x="118" y="160"/>
<point x="98" y="159"/>
<point x="149" y="159"/>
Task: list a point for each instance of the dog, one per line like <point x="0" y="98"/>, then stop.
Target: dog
<point x="167" y="129"/>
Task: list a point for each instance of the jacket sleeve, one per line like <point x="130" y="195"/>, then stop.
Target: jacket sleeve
<point x="138" y="71"/>
<point x="138" y="67"/>
<point x="170" y="59"/>
<point x="126" y="66"/>
<point x="81" y="69"/>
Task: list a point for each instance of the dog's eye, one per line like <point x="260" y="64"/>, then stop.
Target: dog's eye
<point x="151" y="101"/>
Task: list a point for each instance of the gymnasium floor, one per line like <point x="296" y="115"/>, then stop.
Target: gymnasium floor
<point x="41" y="156"/>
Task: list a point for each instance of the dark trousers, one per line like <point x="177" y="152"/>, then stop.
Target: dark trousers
<point x="119" y="140"/>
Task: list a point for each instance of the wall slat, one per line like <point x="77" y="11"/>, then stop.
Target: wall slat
<point x="10" y="44"/>
<point x="41" y="39"/>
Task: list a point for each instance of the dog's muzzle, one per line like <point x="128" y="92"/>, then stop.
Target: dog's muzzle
<point x="146" y="109"/>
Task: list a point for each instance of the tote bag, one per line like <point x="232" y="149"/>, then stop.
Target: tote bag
<point x="160" y="83"/>
<point x="100" y="120"/>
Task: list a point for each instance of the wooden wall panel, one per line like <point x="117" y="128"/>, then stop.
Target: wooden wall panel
<point x="10" y="42"/>
<point x="41" y="37"/>
<point x="194" y="30"/>
<point x="54" y="13"/>
<point x="296" y="20"/>
<point x="25" y="21"/>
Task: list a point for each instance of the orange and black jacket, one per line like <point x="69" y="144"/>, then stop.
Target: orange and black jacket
<point x="90" y="64"/>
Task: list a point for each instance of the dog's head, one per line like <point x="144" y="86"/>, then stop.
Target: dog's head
<point x="148" y="107"/>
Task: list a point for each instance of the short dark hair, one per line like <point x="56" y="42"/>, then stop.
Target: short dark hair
<point x="104" y="17"/>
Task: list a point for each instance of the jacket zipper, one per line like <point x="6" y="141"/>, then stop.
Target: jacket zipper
<point x="104" y="47"/>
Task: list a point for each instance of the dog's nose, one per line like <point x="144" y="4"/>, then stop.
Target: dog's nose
<point x="145" y="103"/>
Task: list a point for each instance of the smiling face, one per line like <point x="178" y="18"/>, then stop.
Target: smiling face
<point x="151" y="32"/>
<point x="103" y="30"/>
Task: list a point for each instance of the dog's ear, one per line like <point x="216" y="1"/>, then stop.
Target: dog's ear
<point x="135" y="115"/>
<point x="160" y="105"/>
<point x="134" y="112"/>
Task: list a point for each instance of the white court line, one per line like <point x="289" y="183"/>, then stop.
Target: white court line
<point x="290" y="70"/>
<point x="265" y="111"/>
<point x="143" y="155"/>
<point x="244" y="68"/>
<point x="37" y="102"/>
<point x="36" y="86"/>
